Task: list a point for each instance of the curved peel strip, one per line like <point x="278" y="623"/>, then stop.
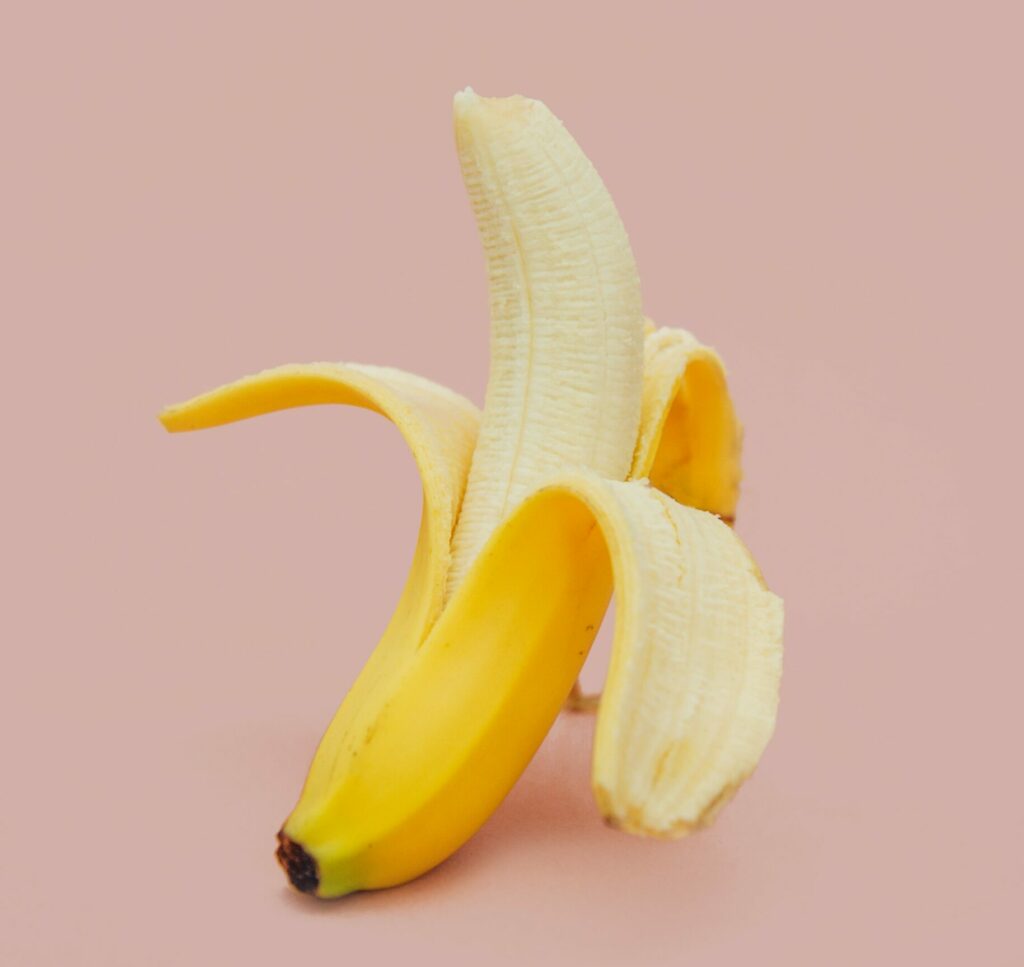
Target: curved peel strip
<point x="440" y="429"/>
<point x="690" y="439"/>
<point x="439" y="426"/>
<point x="692" y="689"/>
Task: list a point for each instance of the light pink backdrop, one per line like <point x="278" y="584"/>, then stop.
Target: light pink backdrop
<point x="828" y="193"/>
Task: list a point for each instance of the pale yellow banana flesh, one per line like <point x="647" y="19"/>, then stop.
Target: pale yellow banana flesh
<point x="567" y="325"/>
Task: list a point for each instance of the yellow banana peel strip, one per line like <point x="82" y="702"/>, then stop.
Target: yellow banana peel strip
<point x="439" y="427"/>
<point x="689" y="441"/>
<point x="456" y="699"/>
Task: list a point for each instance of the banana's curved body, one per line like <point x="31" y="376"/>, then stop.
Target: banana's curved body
<point x="567" y="324"/>
<point x="527" y="527"/>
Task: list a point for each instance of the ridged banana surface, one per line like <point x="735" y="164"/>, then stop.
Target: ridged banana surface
<point x="529" y="525"/>
<point x="567" y="323"/>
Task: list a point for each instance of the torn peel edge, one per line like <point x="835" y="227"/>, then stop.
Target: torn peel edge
<point x="632" y="824"/>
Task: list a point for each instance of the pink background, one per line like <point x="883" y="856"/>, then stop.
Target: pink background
<point x="830" y="194"/>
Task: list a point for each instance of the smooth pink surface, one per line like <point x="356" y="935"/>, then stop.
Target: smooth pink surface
<point x="830" y="194"/>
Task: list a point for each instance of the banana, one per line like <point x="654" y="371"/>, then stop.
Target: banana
<point x="528" y="525"/>
<point x="567" y="324"/>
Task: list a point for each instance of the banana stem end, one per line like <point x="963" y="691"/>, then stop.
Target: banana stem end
<point x="298" y="864"/>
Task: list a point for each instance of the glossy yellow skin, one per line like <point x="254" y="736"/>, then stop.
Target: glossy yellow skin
<point x="467" y="710"/>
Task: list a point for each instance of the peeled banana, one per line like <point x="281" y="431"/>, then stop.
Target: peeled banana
<point x="567" y="324"/>
<point x="605" y="456"/>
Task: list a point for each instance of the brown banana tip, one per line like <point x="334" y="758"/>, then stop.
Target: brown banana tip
<point x="298" y="864"/>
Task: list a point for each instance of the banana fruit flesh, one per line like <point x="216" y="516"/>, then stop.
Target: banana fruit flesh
<point x="528" y="525"/>
<point x="567" y="325"/>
